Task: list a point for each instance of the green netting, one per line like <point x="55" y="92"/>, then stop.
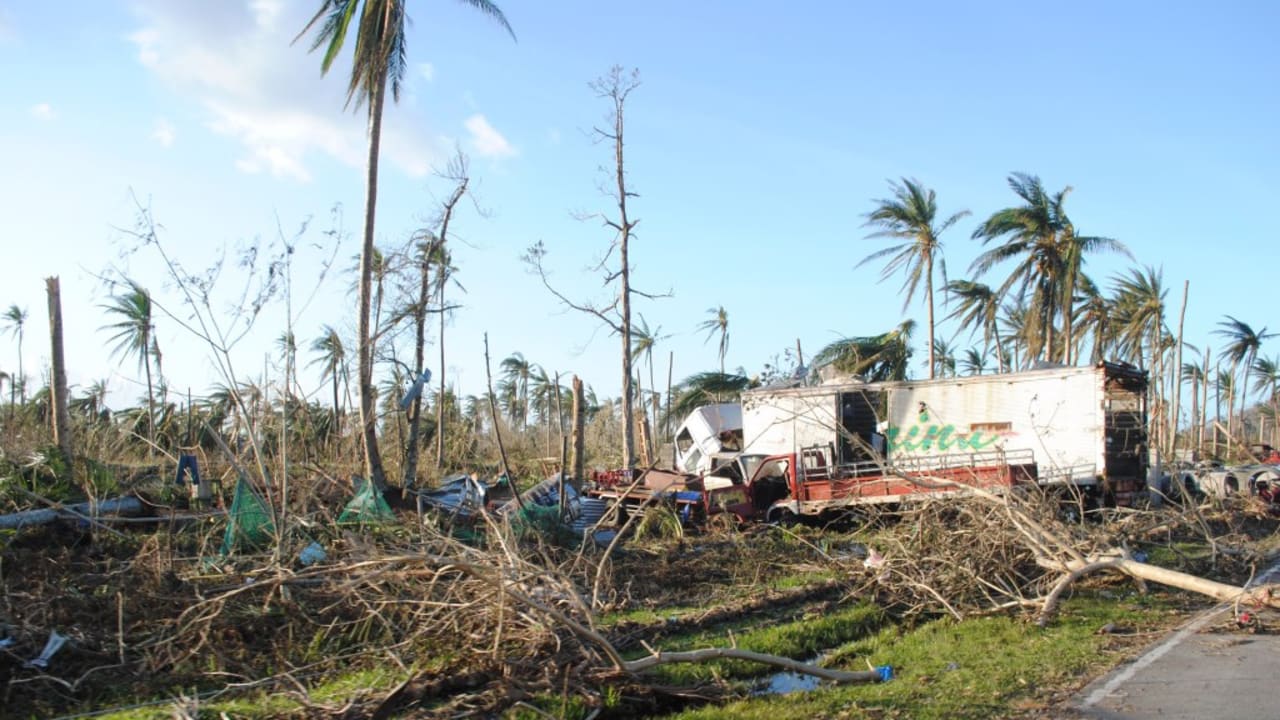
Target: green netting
<point x="248" y="521"/>
<point x="367" y="507"/>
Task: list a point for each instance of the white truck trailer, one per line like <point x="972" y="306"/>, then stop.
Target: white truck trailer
<point x="1084" y="426"/>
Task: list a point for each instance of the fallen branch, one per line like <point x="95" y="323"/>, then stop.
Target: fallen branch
<point x="705" y="654"/>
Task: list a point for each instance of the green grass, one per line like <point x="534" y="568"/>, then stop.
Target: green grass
<point x="981" y="668"/>
<point x="334" y="691"/>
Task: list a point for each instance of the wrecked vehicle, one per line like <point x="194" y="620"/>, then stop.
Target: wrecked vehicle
<point x="1084" y="427"/>
<point x="810" y="484"/>
<point x="708" y="432"/>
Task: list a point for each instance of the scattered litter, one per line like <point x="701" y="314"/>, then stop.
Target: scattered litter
<point x="953" y="666"/>
<point x="7" y="642"/>
<point x="51" y="647"/>
<point x="312" y="554"/>
<point x="874" y="559"/>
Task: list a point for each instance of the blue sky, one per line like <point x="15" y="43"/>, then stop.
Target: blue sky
<point x="758" y="141"/>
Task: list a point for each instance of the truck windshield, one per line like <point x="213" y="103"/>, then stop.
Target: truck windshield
<point x="750" y="463"/>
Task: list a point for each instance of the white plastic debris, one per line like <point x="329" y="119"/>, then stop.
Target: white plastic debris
<point x="874" y="559"/>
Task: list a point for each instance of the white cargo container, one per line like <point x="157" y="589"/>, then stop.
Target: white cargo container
<point x="1085" y="426"/>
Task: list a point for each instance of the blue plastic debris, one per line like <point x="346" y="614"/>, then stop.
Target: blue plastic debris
<point x="886" y="672"/>
<point x="312" y="554"/>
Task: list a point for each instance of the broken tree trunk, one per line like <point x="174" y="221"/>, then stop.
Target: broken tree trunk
<point x="58" y="385"/>
<point x="579" y="438"/>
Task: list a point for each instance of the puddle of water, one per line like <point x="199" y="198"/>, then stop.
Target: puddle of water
<point x="786" y="682"/>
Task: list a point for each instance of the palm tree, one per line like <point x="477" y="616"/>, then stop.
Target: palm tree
<point x="134" y="335"/>
<point x="1013" y="317"/>
<point x="1242" y="349"/>
<point x="379" y="59"/>
<point x="1194" y="374"/>
<point x="1050" y="255"/>
<point x="1075" y="248"/>
<point x="332" y="360"/>
<point x="1267" y="373"/>
<point x="1137" y="314"/>
<point x="944" y="358"/>
<point x="15" y="319"/>
<point x="717" y="323"/>
<point x="911" y="217"/>
<point x="974" y="362"/>
<point x="1093" y="317"/>
<point x="702" y="389"/>
<point x="515" y="385"/>
<point x="876" y="357"/>
<point x="643" y="340"/>
<point x="978" y="307"/>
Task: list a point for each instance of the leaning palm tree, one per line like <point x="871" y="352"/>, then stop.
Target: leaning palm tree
<point x="134" y="336"/>
<point x="910" y="216"/>
<point x="717" y="323"/>
<point x="978" y="307"/>
<point x="379" y="60"/>
<point x="1243" y="343"/>
<point x="15" y="319"/>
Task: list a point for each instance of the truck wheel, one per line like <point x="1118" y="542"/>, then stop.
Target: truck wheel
<point x="784" y="518"/>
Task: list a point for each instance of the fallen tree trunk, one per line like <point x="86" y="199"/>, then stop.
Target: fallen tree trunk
<point x="85" y="510"/>
<point x="1263" y="595"/>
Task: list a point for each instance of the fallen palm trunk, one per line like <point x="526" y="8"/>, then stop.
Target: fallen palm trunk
<point x="85" y="510"/>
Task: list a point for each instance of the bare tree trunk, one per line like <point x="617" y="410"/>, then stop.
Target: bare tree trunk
<point x="1177" y="371"/>
<point x="497" y="432"/>
<point x="928" y="291"/>
<point x="624" y="240"/>
<point x="1204" y="403"/>
<point x="671" y="366"/>
<point x="364" y="339"/>
<point x="58" y="389"/>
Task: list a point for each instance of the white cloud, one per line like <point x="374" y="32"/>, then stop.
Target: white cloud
<point x="236" y="60"/>
<point x="43" y="111"/>
<point x="427" y="71"/>
<point x="485" y="140"/>
<point x="164" y="133"/>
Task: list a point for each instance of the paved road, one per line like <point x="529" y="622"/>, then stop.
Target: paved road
<point x="1205" y="670"/>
